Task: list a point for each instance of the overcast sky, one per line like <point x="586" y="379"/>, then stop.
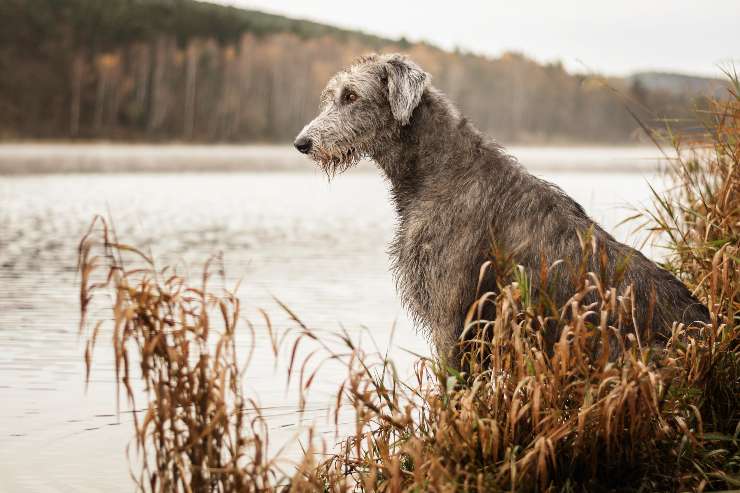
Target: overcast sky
<point x="615" y="37"/>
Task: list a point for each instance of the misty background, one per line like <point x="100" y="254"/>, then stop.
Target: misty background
<point x="158" y="70"/>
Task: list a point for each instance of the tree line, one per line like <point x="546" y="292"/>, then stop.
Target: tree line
<point x="191" y="71"/>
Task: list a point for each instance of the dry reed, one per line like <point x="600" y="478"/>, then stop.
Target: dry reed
<point x="525" y="415"/>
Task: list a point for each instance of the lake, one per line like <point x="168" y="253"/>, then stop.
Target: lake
<point x="282" y="228"/>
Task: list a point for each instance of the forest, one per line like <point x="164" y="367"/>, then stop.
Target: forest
<point x="161" y="70"/>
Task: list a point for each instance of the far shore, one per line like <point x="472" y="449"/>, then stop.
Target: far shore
<point x="29" y="157"/>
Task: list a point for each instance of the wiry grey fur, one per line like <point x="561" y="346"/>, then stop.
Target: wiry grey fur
<point x="457" y="194"/>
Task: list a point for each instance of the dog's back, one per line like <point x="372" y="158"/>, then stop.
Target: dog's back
<point x="454" y="223"/>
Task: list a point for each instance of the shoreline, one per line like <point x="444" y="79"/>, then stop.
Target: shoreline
<point x="43" y="158"/>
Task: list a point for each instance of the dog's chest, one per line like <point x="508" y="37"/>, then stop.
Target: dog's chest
<point x="430" y="253"/>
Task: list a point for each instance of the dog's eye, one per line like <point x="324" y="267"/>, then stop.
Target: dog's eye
<point x="350" y="97"/>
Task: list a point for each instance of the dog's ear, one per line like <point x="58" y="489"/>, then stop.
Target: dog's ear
<point x="406" y="84"/>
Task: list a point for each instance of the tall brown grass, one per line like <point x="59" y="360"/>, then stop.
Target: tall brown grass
<point x="526" y="415"/>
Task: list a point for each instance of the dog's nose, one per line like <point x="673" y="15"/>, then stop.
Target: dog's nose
<point x="303" y="144"/>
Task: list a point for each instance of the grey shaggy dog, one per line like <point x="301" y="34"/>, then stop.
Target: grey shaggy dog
<point x="458" y="194"/>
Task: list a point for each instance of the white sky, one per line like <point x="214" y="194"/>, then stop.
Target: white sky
<point x="615" y="37"/>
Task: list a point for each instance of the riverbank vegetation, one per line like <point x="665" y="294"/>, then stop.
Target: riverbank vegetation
<point x="525" y="416"/>
<point x="158" y="70"/>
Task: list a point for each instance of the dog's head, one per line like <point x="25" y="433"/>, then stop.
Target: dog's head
<point x="360" y="108"/>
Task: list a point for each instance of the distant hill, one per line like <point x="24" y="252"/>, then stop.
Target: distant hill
<point x="160" y="70"/>
<point x="679" y="84"/>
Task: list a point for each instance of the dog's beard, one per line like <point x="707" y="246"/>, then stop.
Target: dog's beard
<point x="336" y="160"/>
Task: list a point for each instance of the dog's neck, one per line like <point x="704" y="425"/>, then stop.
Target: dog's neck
<point x="430" y="149"/>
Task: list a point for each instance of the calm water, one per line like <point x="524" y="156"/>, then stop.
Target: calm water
<point x="317" y="246"/>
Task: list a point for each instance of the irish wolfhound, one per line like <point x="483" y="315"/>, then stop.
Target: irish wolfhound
<point x="457" y="193"/>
